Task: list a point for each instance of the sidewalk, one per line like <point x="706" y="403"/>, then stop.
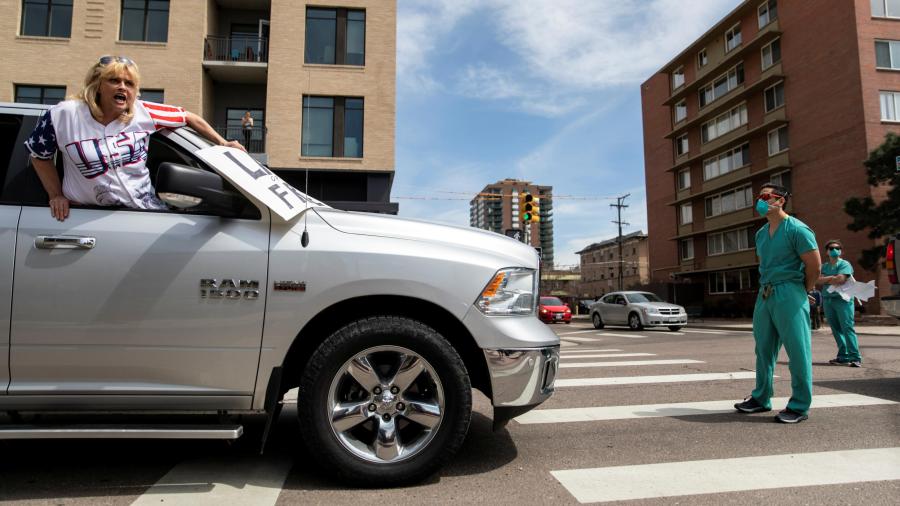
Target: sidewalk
<point x="745" y="324"/>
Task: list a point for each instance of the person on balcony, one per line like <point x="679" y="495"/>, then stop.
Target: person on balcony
<point x="103" y="135"/>
<point x="247" y="128"/>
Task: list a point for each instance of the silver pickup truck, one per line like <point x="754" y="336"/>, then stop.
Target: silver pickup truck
<point x="220" y="306"/>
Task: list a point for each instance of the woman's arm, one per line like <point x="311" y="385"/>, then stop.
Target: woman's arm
<point x="46" y="171"/>
<point x="203" y="128"/>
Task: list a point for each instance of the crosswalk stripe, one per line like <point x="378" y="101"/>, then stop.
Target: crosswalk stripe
<point x="670" y="479"/>
<point x="578" y="332"/>
<point x="668" y="378"/>
<point x="591" y="414"/>
<point x="566" y="352"/>
<point x="633" y="362"/>
<point x="252" y="480"/>
<point x="630" y="336"/>
<point x="706" y="331"/>
<point x="610" y="355"/>
<point x="581" y="339"/>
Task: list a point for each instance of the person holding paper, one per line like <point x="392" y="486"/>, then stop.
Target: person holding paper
<point x="102" y="134"/>
<point x="839" y="312"/>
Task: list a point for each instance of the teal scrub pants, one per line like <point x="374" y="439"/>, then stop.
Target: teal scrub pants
<point x="839" y="313"/>
<point x="783" y="319"/>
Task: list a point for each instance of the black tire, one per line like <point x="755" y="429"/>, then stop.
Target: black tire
<point x="675" y="328"/>
<point x="634" y="321"/>
<point x="326" y="364"/>
<point x="597" y="321"/>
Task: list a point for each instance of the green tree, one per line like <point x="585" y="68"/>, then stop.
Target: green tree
<point x="882" y="219"/>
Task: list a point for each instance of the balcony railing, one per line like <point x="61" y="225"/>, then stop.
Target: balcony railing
<point x="236" y="49"/>
<point x="256" y="143"/>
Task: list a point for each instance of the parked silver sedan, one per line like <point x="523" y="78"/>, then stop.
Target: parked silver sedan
<point x="637" y="310"/>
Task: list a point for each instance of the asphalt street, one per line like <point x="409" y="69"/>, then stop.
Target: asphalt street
<point x="641" y="417"/>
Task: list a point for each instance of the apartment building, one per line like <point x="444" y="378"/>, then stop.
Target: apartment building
<point x="497" y="208"/>
<point x="602" y="267"/>
<point x="317" y="78"/>
<point x="793" y="92"/>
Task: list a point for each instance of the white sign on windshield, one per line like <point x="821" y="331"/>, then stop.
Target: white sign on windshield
<point x="241" y="170"/>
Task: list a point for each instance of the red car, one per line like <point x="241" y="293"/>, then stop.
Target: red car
<point x="552" y="310"/>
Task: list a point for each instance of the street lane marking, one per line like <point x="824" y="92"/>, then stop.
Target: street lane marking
<point x="588" y="351"/>
<point x="670" y="479"/>
<point x="668" y="378"/>
<point x="632" y="336"/>
<point x="577" y="332"/>
<point x="706" y="331"/>
<point x="609" y="355"/>
<point x="593" y="414"/>
<point x="581" y="339"/>
<point x="632" y="362"/>
<point x="252" y="480"/>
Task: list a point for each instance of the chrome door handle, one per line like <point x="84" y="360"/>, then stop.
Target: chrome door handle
<point x="64" y="242"/>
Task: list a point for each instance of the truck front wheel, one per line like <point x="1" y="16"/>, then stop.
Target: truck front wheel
<point x="384" y="401"/>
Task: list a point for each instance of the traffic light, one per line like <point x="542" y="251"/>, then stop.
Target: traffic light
<point x="536" y="210"/>
<point x="526" y="207"/>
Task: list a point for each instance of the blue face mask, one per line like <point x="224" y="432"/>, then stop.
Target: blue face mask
<point x="834" y="253"/>
<point x="762" y="207"/>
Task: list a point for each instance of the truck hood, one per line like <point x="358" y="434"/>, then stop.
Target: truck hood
<point x="383" y="225"/>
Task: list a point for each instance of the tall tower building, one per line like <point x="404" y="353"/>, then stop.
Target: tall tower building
<point x="497" y="208"/>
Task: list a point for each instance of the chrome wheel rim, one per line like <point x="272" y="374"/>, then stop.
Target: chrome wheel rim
<point x="596" y="320"/>
<point x="634" y="321"/>
<point x="385" y="404"/>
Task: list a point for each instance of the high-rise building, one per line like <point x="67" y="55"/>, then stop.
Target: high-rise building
<point x="497" y="208"/>
<point x="318" y="79"/>
<point x="792" y="92"/>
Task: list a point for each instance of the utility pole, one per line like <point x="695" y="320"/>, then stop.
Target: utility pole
<point x="619" y="205"/>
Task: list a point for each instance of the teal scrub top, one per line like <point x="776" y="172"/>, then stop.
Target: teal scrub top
<point x="840" y="267"/>
<point x="779" y="255"/>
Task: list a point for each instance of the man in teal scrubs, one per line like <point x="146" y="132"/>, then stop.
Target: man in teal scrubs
<point x="788" y="268"/>
<point x="838" y="311"/>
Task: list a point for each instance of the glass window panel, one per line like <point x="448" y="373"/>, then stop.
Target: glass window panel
<point x="893" y="8"/>
<point x="28" y="93"/>
<point x="320" y="40"/>
<point x="61" y="20"/>
<point x="717" y="206"/>
<point x="709" y="208"/>
<point x="35" y="19"/>
<point x="895" y="54"/>
<point x="728" y="202"/>
<point x="353" y="132"/>
<point x="783" y="138"/>
<point x="776" y="51"/>
<point x="53" y="96"/>
<point x="743" y="115"/>
<point x="882" y="54"/>
<point x="132" y="25"/>
<point x="720" y="86"/>
<point x="878" y="8"/>
<point x="732" y="281"/>
<point x="157" y="96"/>
<point x="356" y="41"/>
<point x="321" y="13"/>
<point x="730" y="241"/>
<point x="318" y="127"/>
<point x="157" y="26"/>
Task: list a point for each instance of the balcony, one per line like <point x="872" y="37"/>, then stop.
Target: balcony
<point x="236" y="59"/>
<point x="256" y="146"/>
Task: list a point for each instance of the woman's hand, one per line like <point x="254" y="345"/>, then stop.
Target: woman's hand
<point x="235" y="145"/>
<point x="59" y="207"/>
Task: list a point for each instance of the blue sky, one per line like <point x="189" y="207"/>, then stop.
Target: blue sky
<point x="546" y="91"/>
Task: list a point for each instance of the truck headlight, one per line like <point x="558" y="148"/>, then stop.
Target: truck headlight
<point x="510" y="292"/>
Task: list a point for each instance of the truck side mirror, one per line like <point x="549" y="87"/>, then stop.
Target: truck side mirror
<point x="186" y="187"/>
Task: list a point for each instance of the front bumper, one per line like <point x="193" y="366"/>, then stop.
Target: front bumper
<point x="656" y="320"/>
<point x="520" y="379"/>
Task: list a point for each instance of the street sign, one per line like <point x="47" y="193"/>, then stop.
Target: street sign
<point x="516" y="234"/>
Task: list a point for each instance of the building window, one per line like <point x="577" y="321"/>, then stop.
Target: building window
<point x="332" y="126"/>
<point x="890" y="105"/>
<point x="771" y="53"/>
<point x="887" y="54"/>
<point x="722" y="85"/>
<point x="730" y="241"/>
<point x="733" y="38"/>
<point x="145" y="20"/>
<point x="157" y="96"/>
<point x="684" y="179"/>
<point x="731" y="281"/>
<point x="681" y="145"/>
<point x="886" y="8"/>
<point x="726" y="162"/>
<point x="730" y="201"/>
<point x="782" y="179"/>
<point x="774" y="97"/>
<point x="768" y="12"/>
<point x="678" y="78"/>
<point x="335" y="36"/>
<point x="680" y="111"/>
<point x="686" y="214"/>
<point x="724" y="123"/>
<point x="47" y="18"/>
<point x="778" y="140"/>
<point x="48" y="95"/>
<point x="702" y="58"/>
<point x="687" y="249"/>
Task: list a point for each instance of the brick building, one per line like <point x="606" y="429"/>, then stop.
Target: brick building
<point x="497" y="208"/>
<point x="600" y="265"/>
<point x="793" y="92"/>
<point x="219" y="58"/>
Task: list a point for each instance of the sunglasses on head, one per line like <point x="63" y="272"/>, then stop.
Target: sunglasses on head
<point x="106" y="60"/>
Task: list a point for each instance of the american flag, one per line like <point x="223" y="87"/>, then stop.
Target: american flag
<point x="42" y="141"/>
<point x="165" y="116"/>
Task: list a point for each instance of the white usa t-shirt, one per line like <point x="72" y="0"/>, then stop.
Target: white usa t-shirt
<point x="104" y="165"/>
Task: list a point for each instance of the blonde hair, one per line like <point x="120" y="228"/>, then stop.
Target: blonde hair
<point x="90" y="93"/>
